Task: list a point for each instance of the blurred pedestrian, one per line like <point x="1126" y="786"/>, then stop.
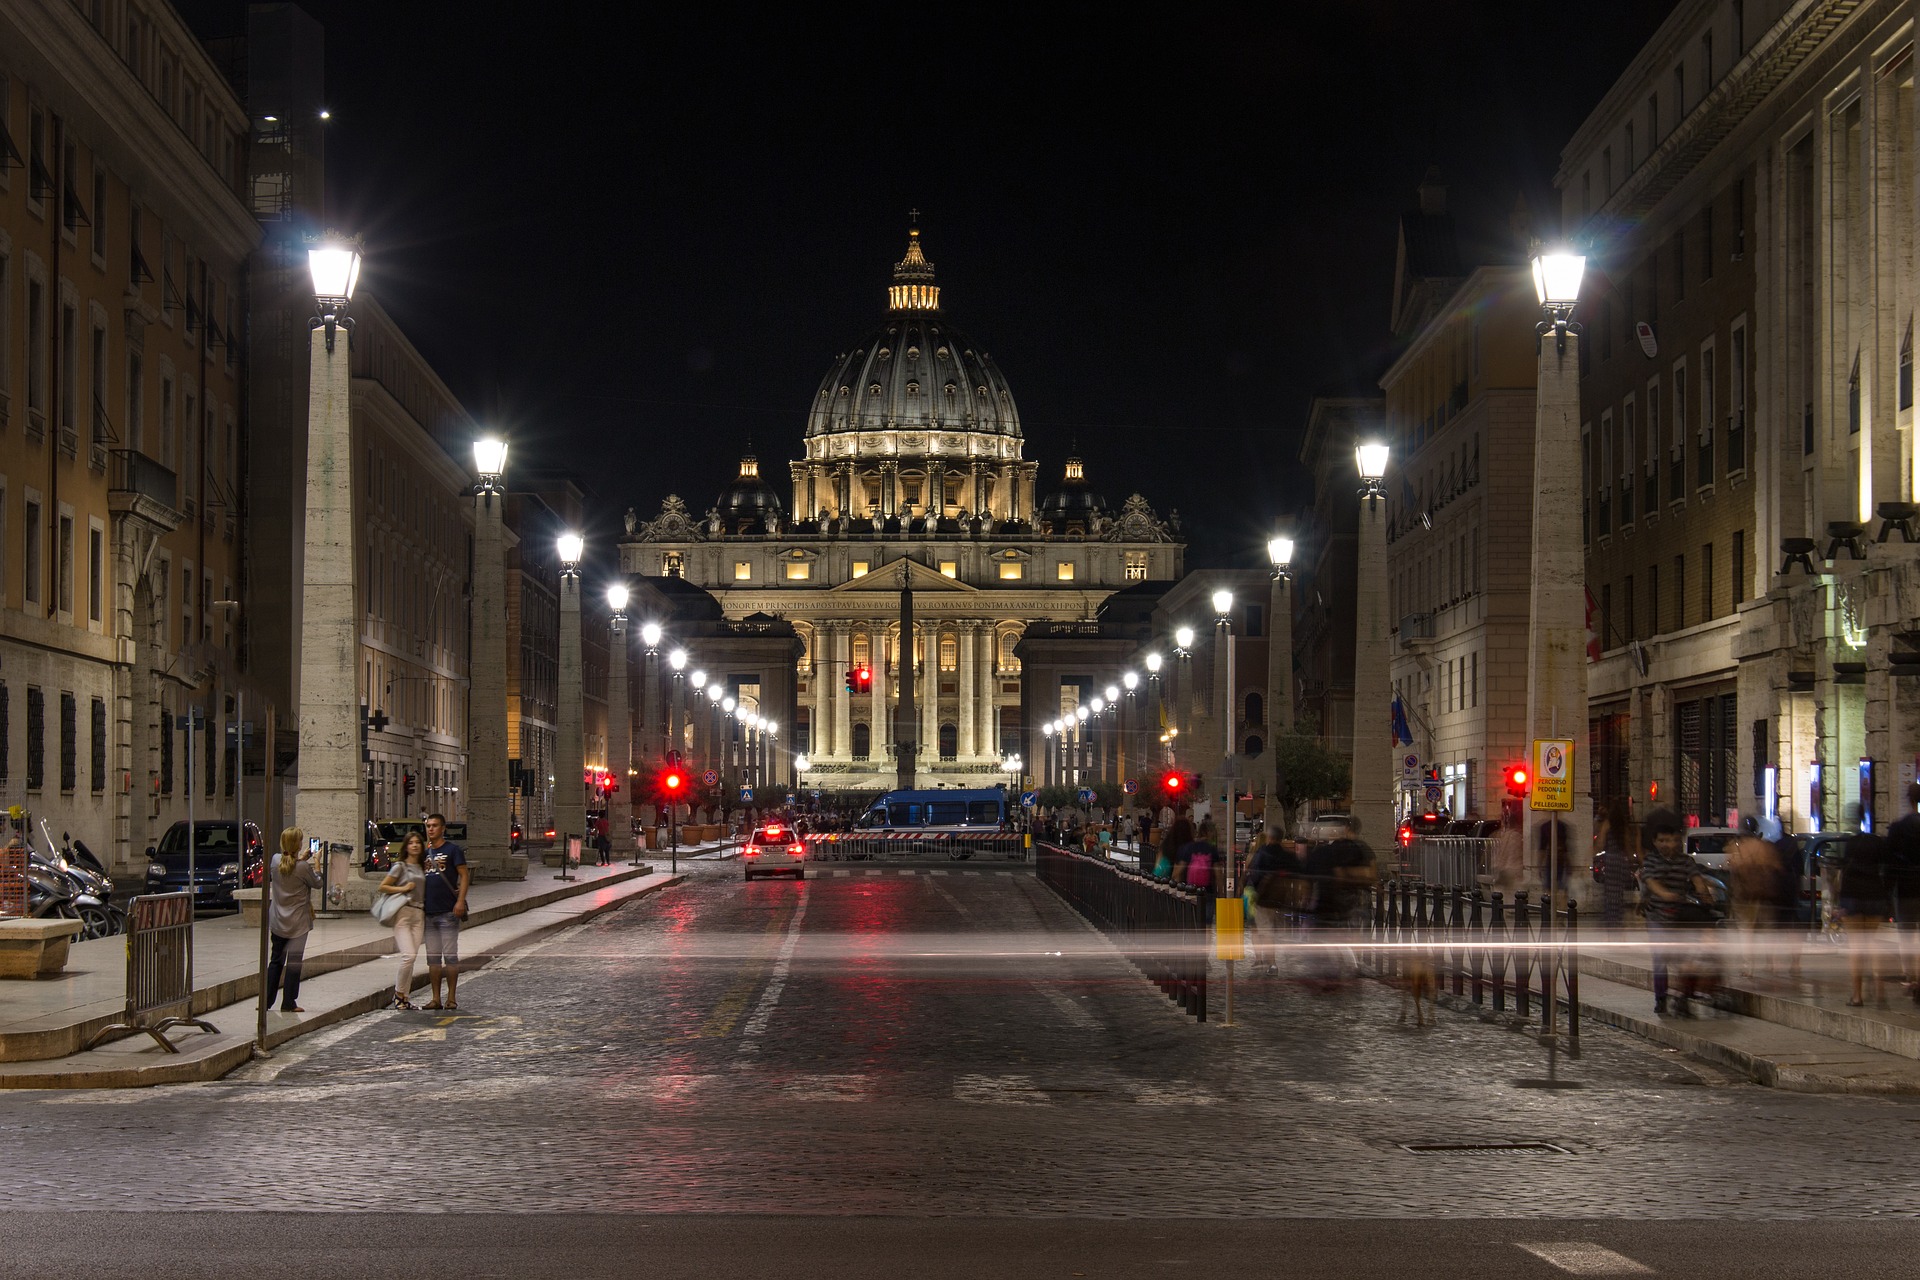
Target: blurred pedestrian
<point x="603" y="846"/>
<point x="1509" y="852"/>
<point x="444" y="900"/>
<point x="407" y="875"/>
<point x="1669" y="895"/>
<point x="1201" y="859"/>
<point x="1273" y="881"/>
<point x="1615" y="863"/>
<point x="1177" y="835"/>
<point x="1341" y="871"/>
<point x="1753" y="875"/>
<point x="290" y="918"/>
<point x="1903" y="859"/>
<point x="1865" y="904"/>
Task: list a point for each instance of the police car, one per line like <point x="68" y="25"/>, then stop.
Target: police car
<point x="775" y="849"/>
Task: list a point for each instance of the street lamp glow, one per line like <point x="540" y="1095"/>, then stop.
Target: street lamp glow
<point x="1280" y="551"/>
<point x="1223" y="602"/>
<point x="1097" y="704"/>
<point x="727" y="705"/>
<point x="699" y="679"/>
<point x="1113" y="695"/>
<point x="1080" y="713"/>
<point x="1183" y="638"/>
<point x="335" y="267"/>
<point x="1153" y="663"/>
<point x="773" y="728"/>
<point x="650" y="633"/>
<point x="713" y="692"/>
<point x="617" y="597"/>
<point x="677" y="659"/>
<point x="1046" y="730"/>
<point x="490" y="458"/>
<point x="1372" y="461"/>
<point x="800" y="764"/>
<point x="572" y="547"/>
<point x="1556" y="279"/>
<point x="1132" y="680"/>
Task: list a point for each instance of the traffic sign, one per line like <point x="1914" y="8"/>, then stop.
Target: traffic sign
<point x="1131" y="786"/>
<point x="1086" y="795"/>
<point x="1028" y="799"/>
<point x="746" y="795"/>
<point x="1433" y="795"/>
<point x="711" y="777"/>
<point x="1553" y="774"/>
<point x="1410" y="765"/>
<point x="1026" y="779"/>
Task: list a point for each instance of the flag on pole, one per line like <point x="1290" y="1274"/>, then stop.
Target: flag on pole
<point x="1401" y="733"/>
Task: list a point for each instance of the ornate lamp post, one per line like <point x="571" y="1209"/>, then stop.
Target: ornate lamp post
<point x="1096" y="744"/>
<point x="695" y="719"/>
<point x="619" y="718"/>
<point x="489" y="795"/>
<point x="1156" y="700"/>
<point x="677" y="714"/>
<point x="1279" y="661"/>
<point x="569" y="764"/>
<point x="650" y="731"/>
<point x="1046" y="756"/>
<point x="1182" y="682"/>
<point x="1225" y="698"/>
<point x="331" y="804"/>
<point x="1372" y="784"/>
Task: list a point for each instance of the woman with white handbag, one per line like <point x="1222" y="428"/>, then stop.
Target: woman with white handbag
<point x="398" y="904"/>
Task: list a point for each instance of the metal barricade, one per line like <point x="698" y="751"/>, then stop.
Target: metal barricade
<point x="13" y="882"/>
<point x="1164" y="930"/>
<point x="917" y="846"/>
<point x="1460" y="860"/>
<point x="159" y="969"/>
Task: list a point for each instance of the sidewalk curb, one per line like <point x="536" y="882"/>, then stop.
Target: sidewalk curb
<point x="187" y="1069"/>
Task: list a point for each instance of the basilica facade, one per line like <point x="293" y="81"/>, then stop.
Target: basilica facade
<point x="912" y="475"/>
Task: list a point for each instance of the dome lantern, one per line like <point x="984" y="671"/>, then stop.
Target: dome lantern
<point x="913" y="288"/>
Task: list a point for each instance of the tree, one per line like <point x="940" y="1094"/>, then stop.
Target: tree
<point x="1308" y="770"/>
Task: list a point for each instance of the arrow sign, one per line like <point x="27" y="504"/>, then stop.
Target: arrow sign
<point x="1028" y="799"/>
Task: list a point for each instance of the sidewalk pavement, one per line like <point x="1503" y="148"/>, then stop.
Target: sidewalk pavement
<point x="348" y="970"/>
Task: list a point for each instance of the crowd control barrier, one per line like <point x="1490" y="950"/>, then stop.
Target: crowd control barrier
<point x="917" y="846"/>
<point x="1163" y="929"/>
<point x="1480" y="946"/>
<point x="159" y="969"/>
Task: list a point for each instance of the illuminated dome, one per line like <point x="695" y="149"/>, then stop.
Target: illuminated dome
<point x="1074" y="503"/>
<point x="914" y="373"/>
<point x="749" y="500"/>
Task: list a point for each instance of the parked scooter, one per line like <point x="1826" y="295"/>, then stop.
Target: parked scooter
<point x="89" y="890"/>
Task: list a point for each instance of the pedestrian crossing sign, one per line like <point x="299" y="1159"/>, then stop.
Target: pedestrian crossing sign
<point x="1553" y="774"/>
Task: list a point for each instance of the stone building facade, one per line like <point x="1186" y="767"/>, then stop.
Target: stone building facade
<point x="913" y="473"/>
<point x="123" y="243"/>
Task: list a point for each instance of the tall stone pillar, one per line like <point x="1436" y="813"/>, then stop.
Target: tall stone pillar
<point x="652" y="732"/>
<point x="1372" y="782"/>
<point x="619" y="735"/>
<point x="331" y="804"/>
<point x="842" y="700"/>
<point x="889" y="488"/>
<point x="930" y="708"/>
<point x="880" y="722"/>
<point x="987" y="736"/>
<point x="569" y="763"/>
<point x="966" y="718"/>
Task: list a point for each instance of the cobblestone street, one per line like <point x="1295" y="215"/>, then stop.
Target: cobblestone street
<point x="918" y="1042"/>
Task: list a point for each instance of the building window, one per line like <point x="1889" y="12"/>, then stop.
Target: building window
<point x="1256" y="709"/>
<point x="1737" y="400"/>
<point x="799" y="571"/>
<point x="70" y="745"/>
<point x="949" y="654"/>
<point x="949" y="568"/>
<point x="1706" y="583"/>
<point x="862" y="651"/>
<point x="96" y="572"/>
<point x="63" y="568"/>
<point x="1012" y="571"/>
<point x="861" y="568"/>
<point x="36" y="347"/>
<point x="97" y="773"/>
<point x="1853" y="398"/>
<point x="1136" y="566"/>
<point x="949" y="741"/>
<point x="36" y="738"/>
<point x="673" y="565"/>
<point x="33" y="558"/>
<point x="1255" y="621"/>
<point x="1680" y="593"/>
<point x="1705" y="468"/>
<point x="1063" y="571"/>
<point x="1737" y="565"/>
<point x="743" y="571"/>
<point x="862" y="741"/>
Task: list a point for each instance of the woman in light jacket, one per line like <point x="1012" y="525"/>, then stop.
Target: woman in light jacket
<point x="408" y="875"/>
<point x="290" y="918"/>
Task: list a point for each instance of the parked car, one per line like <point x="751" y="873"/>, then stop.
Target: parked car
<point x="390" y="833"/>
<point x="1822" y="855"/>
<point x="1709" y="846"/>
<point x="219" y="864"/>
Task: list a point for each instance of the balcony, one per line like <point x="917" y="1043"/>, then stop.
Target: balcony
<point x="136" y="483"/>
<point x="1416" y="630"/>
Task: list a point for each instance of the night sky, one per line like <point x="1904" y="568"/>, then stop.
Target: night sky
<point x="635" y="236"/>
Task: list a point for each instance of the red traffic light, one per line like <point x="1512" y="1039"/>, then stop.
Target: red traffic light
<point x="673" y="780"/>
<point x="1517" y="780"/>
<point x="1172" y="783"/>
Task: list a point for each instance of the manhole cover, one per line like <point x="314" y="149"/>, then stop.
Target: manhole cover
<point x="1485" y="1149"/>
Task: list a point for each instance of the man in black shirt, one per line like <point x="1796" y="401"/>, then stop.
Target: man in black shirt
<point x="444" y="902"/>
<point x="1903" y="871"/>
<point x="1273" y="876"/>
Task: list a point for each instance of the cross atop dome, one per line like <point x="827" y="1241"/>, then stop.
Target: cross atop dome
<point x="913" y="288"/>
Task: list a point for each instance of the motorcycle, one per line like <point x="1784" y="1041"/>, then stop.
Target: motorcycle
<point x="89" y="896"/>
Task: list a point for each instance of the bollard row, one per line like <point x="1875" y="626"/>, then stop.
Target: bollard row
<point x="1162" y="929"/>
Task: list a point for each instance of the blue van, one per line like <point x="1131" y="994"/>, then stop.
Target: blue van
<point x="983" y="809"/>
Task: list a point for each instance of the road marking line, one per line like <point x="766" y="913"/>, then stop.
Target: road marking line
<point x="938" y="873"/>
<point x="266" y="1072"/>
<point x="1584" y="1258"/>
<point x="969" y="873"/>
<point x="763" y="1011"/>
<point x="843" y="872"/>
<point x="827" y="1088"/>
<point x="719" y="1023"/>
<point x="1006" y="1091"/>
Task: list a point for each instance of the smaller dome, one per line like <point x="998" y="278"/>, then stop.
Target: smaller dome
<point x="748" y="499"/>
<point x="1074" y="501"/>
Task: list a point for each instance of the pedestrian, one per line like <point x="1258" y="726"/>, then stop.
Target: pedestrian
<point x="1903" y="858"/>
<point x="1753" y="876"/>
<point x="603" y="845"/>
<point x="407" y="876"/>
<point x="290" y="918"/>
<point x="444" y="903"/>
<point x="1201" y="858"/>
<point x="1670" y="896"/>
<point x="1178" y="835"/>
<point x="1615" y="869"/>
<point x="1865" y="904"/>
<point x="1273" y="880"/>
<point x="1341" y="871"/>
<point x="1509" y="852"/>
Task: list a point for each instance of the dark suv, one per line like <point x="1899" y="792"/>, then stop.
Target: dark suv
<point x="219" y="867"/>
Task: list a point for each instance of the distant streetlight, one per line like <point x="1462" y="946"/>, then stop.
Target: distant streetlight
<point x="569" y="748"/>
<point x="619" y="717"/>
<point x="489" y="805"/>
<point x="1371" y="786"/>
<point x="1279" y="661"/>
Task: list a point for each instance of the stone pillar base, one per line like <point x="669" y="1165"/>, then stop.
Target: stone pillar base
<point x="497" y="864"/>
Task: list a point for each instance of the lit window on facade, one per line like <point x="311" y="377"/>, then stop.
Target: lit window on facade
<point x="673" y="565"/>
<point x="950" y="568"/>
<point x="1136" y="566"/>
<point x="860" y="568"/>
<point x="1012" y="571"/>
<point x="797" y="570"/>
<point x="949" y="654"/>
<point x="1064" y="571"/>
<point x="743" y="571"/>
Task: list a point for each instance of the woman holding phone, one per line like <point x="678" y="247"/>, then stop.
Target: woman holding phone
<point x="290" y="919"/>
<point x="408" y="876"/>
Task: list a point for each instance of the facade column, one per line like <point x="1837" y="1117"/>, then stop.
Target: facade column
<point x="880" y="726"/>
<point x="842" y="700"/>
<point x="930" y="708"/>
<point x="1003" y="493"/>
<point x="989" y="732"/>
<point x="966" y="719"/>
<point x="889" y="488"/>
<point x="569" y="748"/>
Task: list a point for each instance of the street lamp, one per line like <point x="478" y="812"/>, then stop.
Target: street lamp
<point x="1046" y="755"/>
<point x="1556" y="282"/>
<point x="619" y="717"/>
<point x="1371" y="785"/>
<point x="1226" y="698"/>
<point x="331" y="803"/>
<point x="569" y="748"/>
<point x="1279" y="660"/>
<point x="490" y="808"/>
<point x="651" y="734"/>
<point x="677" y="708"/>
<point x="1182" y="642"/>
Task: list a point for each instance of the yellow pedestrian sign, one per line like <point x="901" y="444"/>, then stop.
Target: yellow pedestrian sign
<point x="1553" y="774"/>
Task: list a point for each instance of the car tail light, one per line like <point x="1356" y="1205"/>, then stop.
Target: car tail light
<point x="753" y="851"/>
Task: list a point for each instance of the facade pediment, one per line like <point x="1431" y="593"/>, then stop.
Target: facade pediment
<point x="886" y="578"/>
